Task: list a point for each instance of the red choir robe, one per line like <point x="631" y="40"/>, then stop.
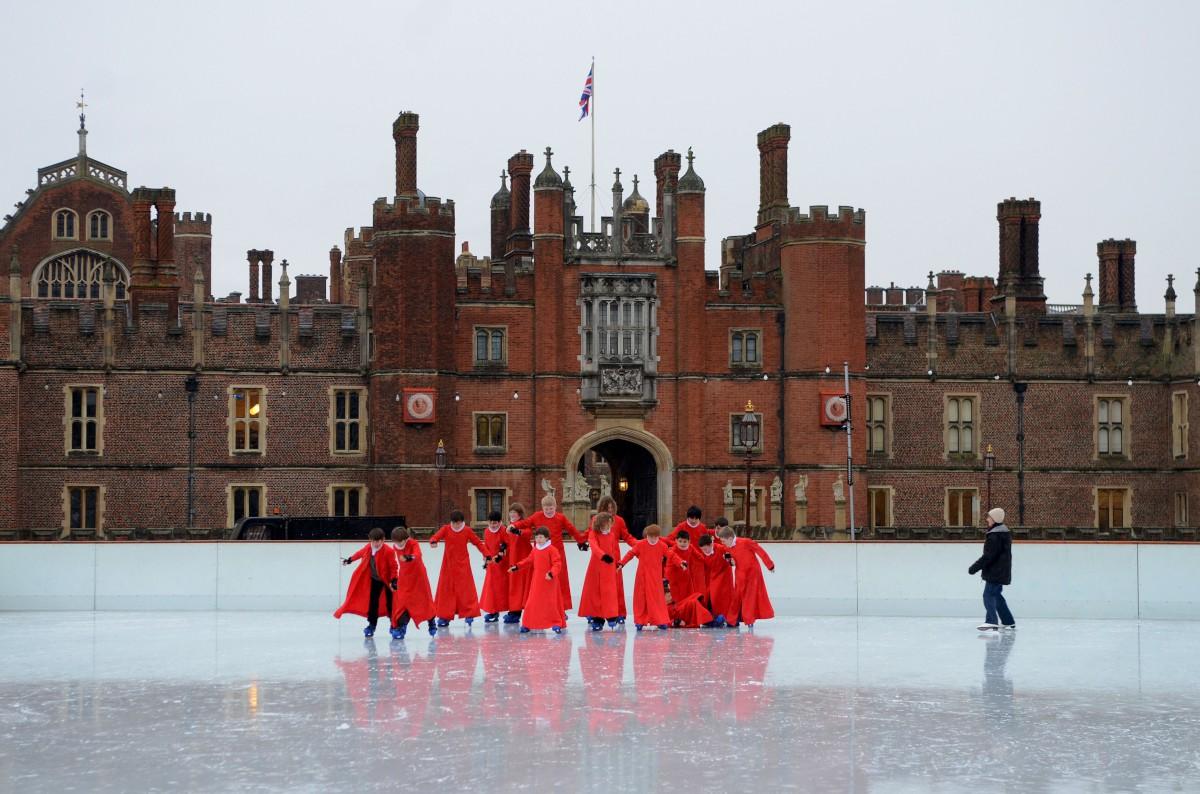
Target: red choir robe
<point x="602" y="582"/>
<point x="358" y="594"/>
<point x="412" y="591"/>
<point x="719" y="576"/>
<point x="456" y="594"/>
<point x="684" y="604"/>
<point x="750" y="600"/>
<point x="519" y="547"/>
<point x="494" y="597"/>
<point x="649" y="601"/>
<point x="558" y="525"/>
<point x="621" y="530"/>
<point x="694" y="532"/>
<point x="544" y="609"/>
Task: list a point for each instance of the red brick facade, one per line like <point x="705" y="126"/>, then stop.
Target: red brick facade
<point x="616" y="340"/>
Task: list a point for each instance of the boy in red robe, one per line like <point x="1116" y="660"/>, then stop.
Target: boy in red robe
<point x="598" y="601"/>
<point x="649" y="602"/>
<point x="691" y="524"/>
<point x="750" y="600"/>
<point x="543" y="609"/>
<point x="683" y="597"/>
<point x="413" y="599"/>
<point x="718" y="577"/>
<point x="494" y="598"/>
<point x="518" y="583"/>
<point x="619" y="528"/>
<point x="558" y="525"/>
<point x="372" y="583"/>
<point x="456" y="596"/>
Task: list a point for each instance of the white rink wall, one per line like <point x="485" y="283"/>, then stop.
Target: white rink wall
<point x="1051" y="580"/>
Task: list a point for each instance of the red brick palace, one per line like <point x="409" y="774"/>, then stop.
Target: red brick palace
<point x="571" y="361"/>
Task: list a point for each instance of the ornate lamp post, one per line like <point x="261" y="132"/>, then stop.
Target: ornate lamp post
<point x="439" y="462"/>
<point x="748" y="431"/>
<point x="989" y="463"/>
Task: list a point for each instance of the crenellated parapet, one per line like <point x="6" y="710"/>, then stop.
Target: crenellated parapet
<point x="407" y="213"/>
<point x="847" y="225"/>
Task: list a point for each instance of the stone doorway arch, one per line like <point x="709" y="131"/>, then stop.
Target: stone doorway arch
<point x="663" y="462"/>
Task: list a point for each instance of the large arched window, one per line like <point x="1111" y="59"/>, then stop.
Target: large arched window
<point x="99" y="225"/>
<point x="77" y="275"/>
<point x="65" y="222"/>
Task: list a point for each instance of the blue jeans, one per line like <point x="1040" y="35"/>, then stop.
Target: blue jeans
<point x="993" y="602"/>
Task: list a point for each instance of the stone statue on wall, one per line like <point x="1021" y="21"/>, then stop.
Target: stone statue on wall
<point x="839" y="490"/>
<point x="605" y="486"/>
<point x="583" y="491"/>
<point x="776" y="490"/>
<point x="801" y="488"/>
<point x="547" y="487"/>
<point x="727" y="492"/>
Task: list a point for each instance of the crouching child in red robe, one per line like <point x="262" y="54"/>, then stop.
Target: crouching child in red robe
<point x="750" y="600"/>
<point x="456" y="595"/>
<point x="599" y="600"/>
<point x="543" y="608"/>
<point x="683" y="596"/>
<point x="372" y="583"/>
<point x="649" y="601"/>
<point x="413" y="599"/>
<point x="494" y="598"/>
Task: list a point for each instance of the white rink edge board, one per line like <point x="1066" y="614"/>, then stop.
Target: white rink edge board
<point x="1051" y="580"/>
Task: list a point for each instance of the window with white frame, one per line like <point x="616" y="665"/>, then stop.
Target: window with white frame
<point x="487" y="500"/>
<point x="1112" y="508"/>
<point x="78" y="275"/>
<point x="347" y="499"/>
<point x="1111" y="419"/>
<point x="84" y="419"/>
<point x="1181" y="508"/>
<point x="246" y="501"/>
<point x="247" y="419"/>
<point x="490" y="346"/>
<point x="619" y="318"/>
<point x="83" y="505"/>
<point x="1179" y="424"/>
<point x="347" y="420"/>
<point x="962" y="507"/>
<point x="961" y="422"/>
<point x="880" y="501"/>
<point x="490" y="432"/>
<point x="99" y="225"/>
<point x="745" y="347"/>
<point x="64" y="225"/>
<point x="877" y="424"/>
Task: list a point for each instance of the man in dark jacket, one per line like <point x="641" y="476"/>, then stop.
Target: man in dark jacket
<point x="996" y="565"/>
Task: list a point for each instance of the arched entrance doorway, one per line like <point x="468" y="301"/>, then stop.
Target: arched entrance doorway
<point x="627" y="471"/>
<point x="624" y="451"/>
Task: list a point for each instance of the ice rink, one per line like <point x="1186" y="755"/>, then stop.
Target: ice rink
<point x="301" y="702"/>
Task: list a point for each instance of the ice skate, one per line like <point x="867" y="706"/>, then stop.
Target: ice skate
<point x="663" y="627"/>
<point x="524" y="630"/>
<point x="398" y="634"/>
<point x="987" y="627"/>
<point x="639" y="626"/>
<point x="470" y="621"/>
<point x="1008" y="627"/>
<point x="491" y="617"/>
<point x="612" y="622"/>
<point x="369" y="631"/>
<point x="432" y="628"/>
<point x="556" y="629"/>
<point x="442" y="623"/>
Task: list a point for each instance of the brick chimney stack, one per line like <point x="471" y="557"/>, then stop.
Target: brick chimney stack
<point x="520" y="241"/>
<point x="666" y="175"/>
<point x="1019" y="274"/>
<point x="773" y="173"/>
<point x="404" y="132"/>
<point x="1117" y="275"/>
<point x="335" y="275"/>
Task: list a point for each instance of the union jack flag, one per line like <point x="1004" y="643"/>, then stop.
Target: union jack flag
<point x="585" y="100"/>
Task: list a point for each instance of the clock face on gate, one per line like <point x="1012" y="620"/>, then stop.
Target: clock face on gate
<point x="418" y="405"/>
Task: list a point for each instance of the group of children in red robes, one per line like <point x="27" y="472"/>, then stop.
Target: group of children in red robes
<point x="683" y="580"/>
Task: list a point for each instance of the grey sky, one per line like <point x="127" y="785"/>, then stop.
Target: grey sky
<point x="275" y="117"/>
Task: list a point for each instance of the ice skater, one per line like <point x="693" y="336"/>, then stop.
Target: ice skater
<point x="373" y="582"/>
<point x="598" y="601"/>
<point x="558" y="525"/>
<point x="750" y="600"/>
<point x="690" y="524"/>
<point x="543" y="609"/>
<point x="649" y="599"/>
<point x="456" y="596"/>
<point x="494" y="598"/>
<point x="996" y="566"/>
<point x="414" y="598"/>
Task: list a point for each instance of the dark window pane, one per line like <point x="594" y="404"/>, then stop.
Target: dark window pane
<point x="91" y="403"/>
<point x="354" y="445"/>
<point x="737" y="348"/>
<point x="339" y="438"/>
<point x="76" y="507"/>
<point x="481" y="505"/>
<point x="481" y="342"/>
<point x="255" y="498"/>
<point x="90" y="496"/>
<point x="497" y="346"/>
<point x="339" y="403"/>
<point x="352" y="399"/>
<point x="91" y="436"/>
<point x="352" y="502"/>
<point x="751" y="347"/>
<point x="339" y="502"/>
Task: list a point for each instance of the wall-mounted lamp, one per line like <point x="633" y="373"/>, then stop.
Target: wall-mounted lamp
<point x="1129" y="382"/>
<point x="515" y="395"/>
<point x="622" y="485"/>
<point x="827" y="369"/>
<point x="457" y="397"/>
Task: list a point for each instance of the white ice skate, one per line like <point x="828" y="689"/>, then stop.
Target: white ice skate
<point x="988" y="627"/>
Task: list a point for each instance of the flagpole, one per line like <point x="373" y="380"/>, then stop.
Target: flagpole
<point x="592" y="102"/>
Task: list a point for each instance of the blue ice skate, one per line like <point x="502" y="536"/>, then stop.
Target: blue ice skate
<point x="663" y="627"/>
<point x="491" y="617"/>
<point x="639" y="626"/>
<point x="398" y="633"/>
<point x="432" y="628"/>
<point x="612" y="622"/>
<point x="556" y="629"/>
<point x="443" y="623"/>
<point x="470" y="621"/>
<point x="369" y="631"/>
<point x="596" y="623"/>
<point x="621" y="621"/>
<point x="719" y="621"/>
<point x="524" y="630"/>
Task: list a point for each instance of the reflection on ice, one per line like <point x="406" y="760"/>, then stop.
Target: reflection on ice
<point x="229" y="701"/>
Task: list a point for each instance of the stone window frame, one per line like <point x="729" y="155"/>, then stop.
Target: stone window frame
<point x="891" y="505"/>
<point x="1126" y="506"/>
<point x="69" y="419"/>
<point x="757" y="333"/>
<point x="758" y="505"/>
<point x="488" y="449"/>
<point x="331" y="493"/>
<point x="101" y="491"/>
<point x="74" y="217"/>
<point x="363" y="421"/>
<point x="1126" y="452"/>
<point x="975" y="506"/>
<point x="489" y="362"/>
<point x="976" y="427"/>
<point x="229" y="491"/>
<point x="1179" y="425"/>
<point x="231" y="419"/>
<point x="1181" y="508"/>
<point x="108" y="236"/>
<point x="886" y="421"/>
<point x="477" y="520"/>
<point x="738" y="449"/>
